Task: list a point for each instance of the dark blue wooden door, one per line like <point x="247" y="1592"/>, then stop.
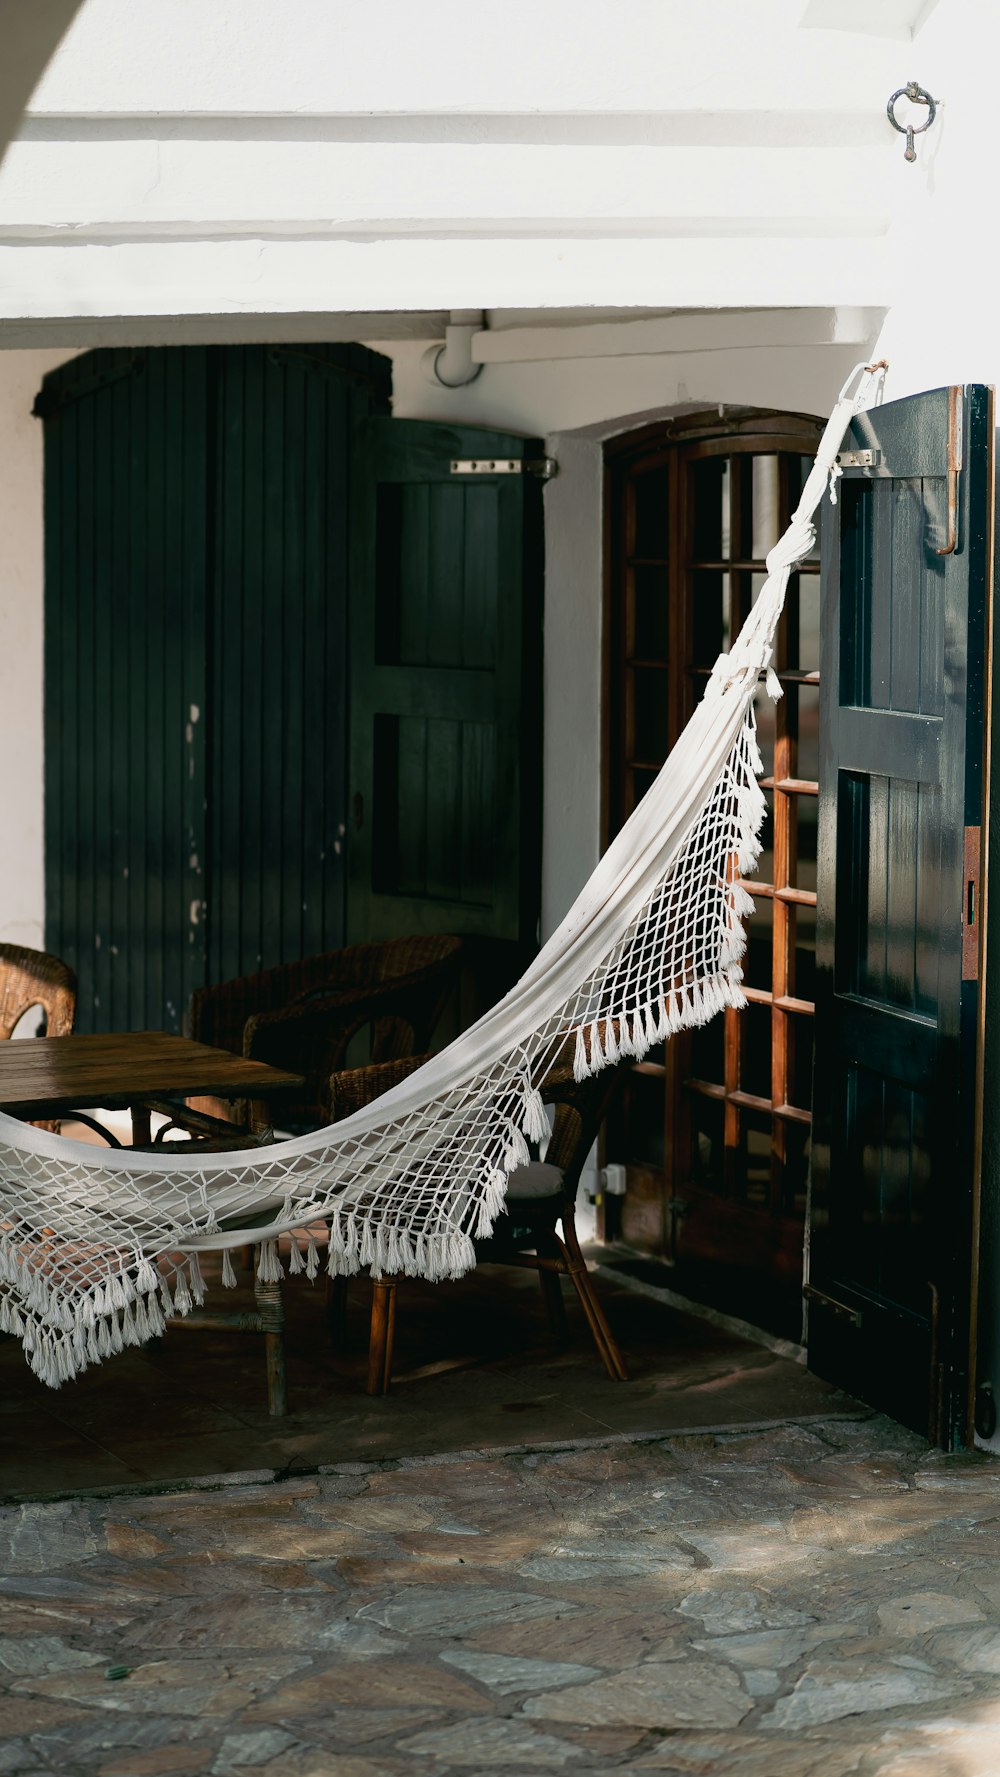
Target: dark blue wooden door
<point x="906" y="597"/>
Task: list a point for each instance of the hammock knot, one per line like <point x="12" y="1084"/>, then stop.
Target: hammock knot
<point x="798" y="541"/>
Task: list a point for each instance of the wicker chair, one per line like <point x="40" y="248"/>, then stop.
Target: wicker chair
<point x="34" y="978"/>
<point x="303" y="1016"/>
<point x="540" y="1195"/>
<point x="31" y="978"/>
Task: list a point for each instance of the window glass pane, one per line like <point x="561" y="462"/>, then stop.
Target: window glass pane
<point x="765" y="730"/>
<point x="765" y="868"/>
<point x="710" y="509"/>
<point x="650" y="613"/>
<point x="708" y="1051"/>
<point x="766" y="523"/>
<point x="803" y="940"/>
<point x="649" y="693"/>
<point x="805" y="870"/>
<point x="710" y="615"/>
<point x="808" y="605"/>
<point x="808" y="701"/>
<point x="757" y="964"/>
<point x="650" y="496"/>
<point x="707" y="1131"/>
<point x="755" y="1061"/>
<point x="757" y="1156"/>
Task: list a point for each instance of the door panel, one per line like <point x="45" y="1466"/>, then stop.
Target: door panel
<point x="445" y="687"/>
<point x="283" y="420"/>
<point x="197" y="507"/>
<point x="126" y="525"/>
<point x="906" y="562"/>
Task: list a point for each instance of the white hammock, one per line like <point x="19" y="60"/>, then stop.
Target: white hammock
<point x="96" y="1247"/>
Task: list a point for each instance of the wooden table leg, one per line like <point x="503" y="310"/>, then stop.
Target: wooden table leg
<point x="259" y="1119"/>
<point x="141" y="1125"/>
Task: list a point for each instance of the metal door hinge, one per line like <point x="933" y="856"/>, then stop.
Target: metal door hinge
<point x="543" y="468"/>
<point x="858" y="459"/>
<point x="954" y="468"/>
<point x="822" y="1300"/>
<point x="970" y="905"/>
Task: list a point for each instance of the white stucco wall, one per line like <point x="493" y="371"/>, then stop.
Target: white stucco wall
<point x="21" y="860"/>
<point x="942" y="322"/>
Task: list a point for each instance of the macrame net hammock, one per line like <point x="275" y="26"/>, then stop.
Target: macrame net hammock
<point x="98" y="1247"/>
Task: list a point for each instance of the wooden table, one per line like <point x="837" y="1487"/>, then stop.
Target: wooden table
<point x="138" y="1071"/>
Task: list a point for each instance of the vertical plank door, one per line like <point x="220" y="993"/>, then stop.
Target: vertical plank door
<point x="284" y="420"/>
<point x="907" y="597"/>
<point x="445" y="689"/>
<point x="127" y="503"/>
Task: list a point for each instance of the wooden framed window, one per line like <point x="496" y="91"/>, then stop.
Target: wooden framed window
<point x="715" y="1126"/>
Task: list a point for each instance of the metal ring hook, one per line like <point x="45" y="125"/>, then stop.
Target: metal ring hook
<point x="917" y="96"/>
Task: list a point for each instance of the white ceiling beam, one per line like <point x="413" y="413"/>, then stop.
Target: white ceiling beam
<point x="248" y="277"/>
<point x="87" y="331"/>
<point x="180" y="188"/>
<point x="718" y="331"/>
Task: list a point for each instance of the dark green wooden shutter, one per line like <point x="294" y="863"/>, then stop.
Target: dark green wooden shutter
<point x="126" y="514"/>
<point x="197" y="534"/>
<point x="284" y="421"/>
<point x="894" y="1160"/>
<point x="445" y="687"/>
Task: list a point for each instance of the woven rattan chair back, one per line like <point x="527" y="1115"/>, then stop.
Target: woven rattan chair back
<point x="384" y="999"/>
<point x="31" y="978"/>
<point x="355" y="1087"/>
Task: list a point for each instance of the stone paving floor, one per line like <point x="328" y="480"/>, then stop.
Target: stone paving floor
<point x="809" y="1600"/>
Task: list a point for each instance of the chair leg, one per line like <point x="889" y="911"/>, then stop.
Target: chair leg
<point x="555" y="1307"/>
<point x="383" y="1327"/>
<point x="603" y="1337"/>
<point x="336" y="1309"/>
<point x="272" y="1321"/>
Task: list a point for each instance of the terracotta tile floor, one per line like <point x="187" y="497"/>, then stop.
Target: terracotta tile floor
<point x="476" y="1368"/>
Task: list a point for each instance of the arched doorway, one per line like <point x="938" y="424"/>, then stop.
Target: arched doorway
<point x="714" y="1127"/>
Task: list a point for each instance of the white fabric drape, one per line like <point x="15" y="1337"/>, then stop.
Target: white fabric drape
<point x="652" y="945"/>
